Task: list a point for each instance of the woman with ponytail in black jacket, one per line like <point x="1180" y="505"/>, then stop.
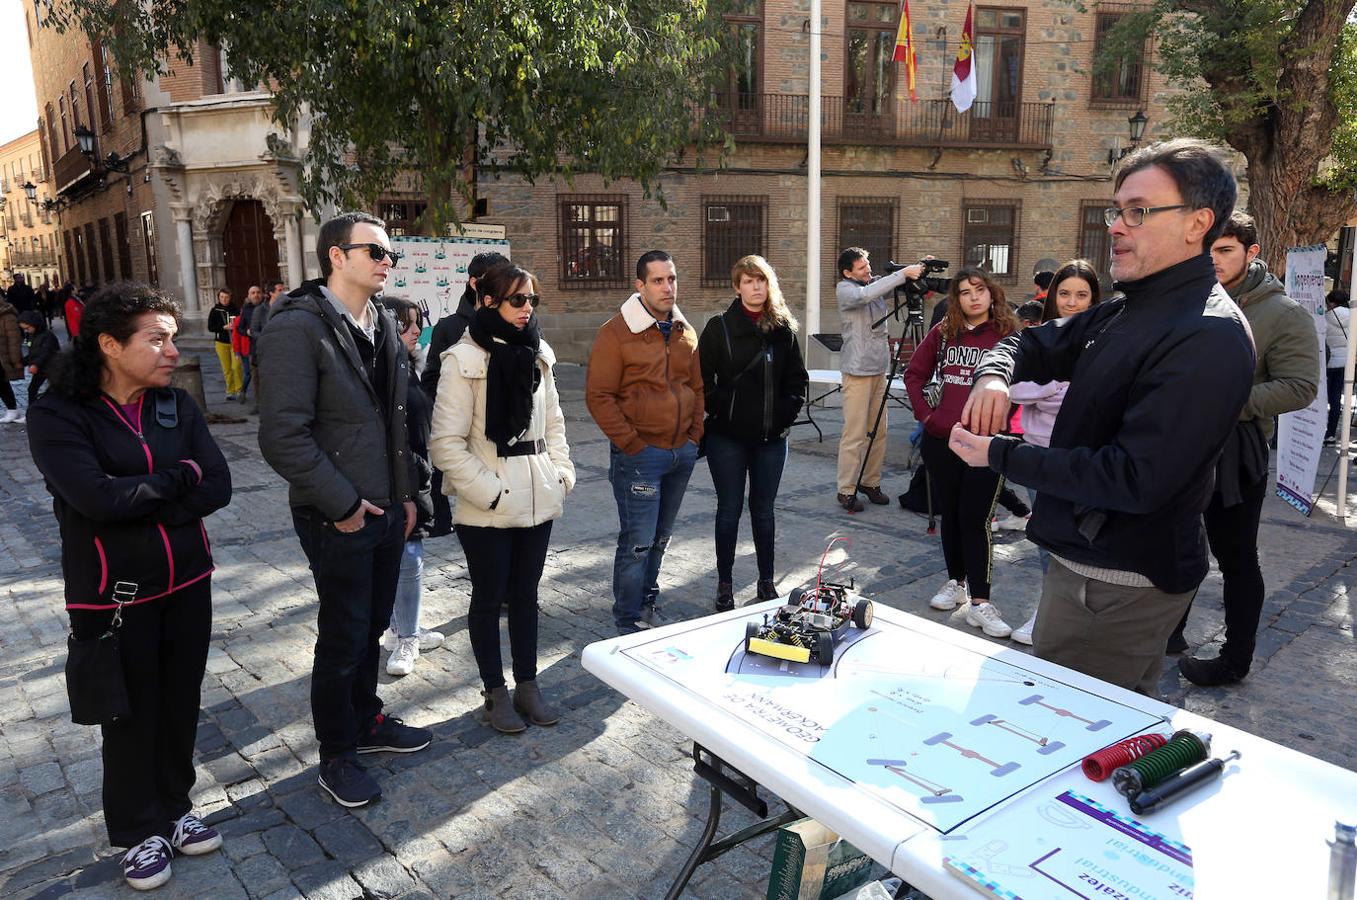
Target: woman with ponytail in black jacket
<point x="754" y="383"/>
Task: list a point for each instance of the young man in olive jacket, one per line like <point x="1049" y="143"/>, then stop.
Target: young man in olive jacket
<point x="1285" y="378"/>
<point x="333" y="425"/>
<point x="1157" y="380"/>
<point x="644" y="389"/>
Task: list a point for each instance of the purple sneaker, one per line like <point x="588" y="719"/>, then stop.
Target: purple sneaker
<point x="147" y="865"/>
<point x="192" y="838"/>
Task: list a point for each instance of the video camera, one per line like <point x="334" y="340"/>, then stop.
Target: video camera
<point x="916" y="289"/>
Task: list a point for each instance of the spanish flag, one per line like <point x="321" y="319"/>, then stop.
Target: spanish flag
<point x="904" y="49"/>
<point x="963" y="71"/>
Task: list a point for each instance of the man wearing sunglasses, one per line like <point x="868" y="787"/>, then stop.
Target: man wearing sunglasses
<point x="332" y="423"/>
<point x="1157" y="381"/>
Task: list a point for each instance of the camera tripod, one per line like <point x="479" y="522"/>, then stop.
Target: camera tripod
<point x="914" y="331"/>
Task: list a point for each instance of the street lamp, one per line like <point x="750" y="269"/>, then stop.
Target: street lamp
<point x="1137" y="124"/>
<point x="85" y="138"/>
<point x="31" y="191"/>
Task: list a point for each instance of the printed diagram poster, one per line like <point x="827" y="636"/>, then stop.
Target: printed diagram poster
<point x="433" y="271"/>
<point x="1070" y="846"/>
<point x="940" y="733"/>
<point x="1300" y="434"/>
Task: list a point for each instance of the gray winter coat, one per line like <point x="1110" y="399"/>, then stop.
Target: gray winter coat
<point x="865" y="349"/>
<point x="320" y="423"/>
<point x="1286" y="373"/>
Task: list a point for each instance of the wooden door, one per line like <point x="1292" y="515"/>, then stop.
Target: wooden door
<point x="249" y="248"/>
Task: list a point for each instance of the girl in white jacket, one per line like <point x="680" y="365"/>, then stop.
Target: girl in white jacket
<point x="499" y="437"/>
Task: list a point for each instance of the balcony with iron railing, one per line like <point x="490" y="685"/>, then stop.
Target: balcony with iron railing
<point x="33" y="258"/>
<point x="784" y="118"/>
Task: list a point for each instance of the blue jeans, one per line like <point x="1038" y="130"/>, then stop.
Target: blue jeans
<point x="409" y="588"/>
<point x="730" y="459"/>
<point x="245" y="374"/>
<point x="648" y="488"/>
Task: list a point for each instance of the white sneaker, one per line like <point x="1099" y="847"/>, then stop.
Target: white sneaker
<point x="402" y="659"/>
<point x="428" y="640"/>
<point x="986" y="617"/>
<point x="1011" y="523"/>
<point x="10" y="415"/>
<point x="1023" y="633"/>
<point x="952" y="595"/>
<point x="19" y="417"/>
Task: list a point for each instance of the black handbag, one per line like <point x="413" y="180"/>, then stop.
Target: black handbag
<point x="95" y="683"/>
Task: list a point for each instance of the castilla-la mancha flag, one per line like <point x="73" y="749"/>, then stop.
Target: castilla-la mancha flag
<point x="963" y="70"/>
<point x="904" y="49"/>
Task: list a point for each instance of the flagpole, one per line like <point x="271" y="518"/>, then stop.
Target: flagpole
<point x="813" y="180"/>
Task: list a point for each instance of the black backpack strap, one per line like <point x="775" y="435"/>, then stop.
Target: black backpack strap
<point x="166" y="409"/>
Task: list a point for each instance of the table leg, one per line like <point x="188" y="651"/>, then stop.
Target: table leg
<point x="707" y="848"/>
<point x="699" y="854"/>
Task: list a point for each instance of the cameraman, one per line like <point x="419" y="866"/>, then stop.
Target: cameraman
<point x="864" y="361"/>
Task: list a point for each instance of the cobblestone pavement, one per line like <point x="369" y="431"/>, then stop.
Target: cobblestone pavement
<point x="603" y="805"/>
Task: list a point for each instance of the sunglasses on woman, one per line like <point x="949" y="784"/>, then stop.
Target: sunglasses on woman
<point x="517" y="300"/>
<point x="375" y="250"/>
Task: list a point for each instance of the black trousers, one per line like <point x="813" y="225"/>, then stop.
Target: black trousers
<point x="7" y="393"/>
<point x="356" y="577"/>
<point x="1232" y="534"/>
<point x="148" y="758"/>
<point x="35" y="385"/>
<point x="964" y="496"/>
<point x="505" y="564"/>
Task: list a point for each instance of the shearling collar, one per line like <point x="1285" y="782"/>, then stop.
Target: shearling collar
<point x="638" y="318"/>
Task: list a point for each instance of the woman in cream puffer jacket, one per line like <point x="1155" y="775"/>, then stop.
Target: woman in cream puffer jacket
<point x="524" y="490"/>
<point x="499" y="437"/>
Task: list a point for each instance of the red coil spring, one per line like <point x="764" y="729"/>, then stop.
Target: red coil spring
<point x="1097" y="766"/>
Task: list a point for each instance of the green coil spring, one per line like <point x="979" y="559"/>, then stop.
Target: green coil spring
<point x="1184" y="749"/>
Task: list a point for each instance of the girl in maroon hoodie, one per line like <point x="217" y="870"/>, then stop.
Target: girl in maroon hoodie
<point x="977" y="319"/>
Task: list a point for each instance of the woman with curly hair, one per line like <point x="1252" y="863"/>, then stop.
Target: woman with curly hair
<point x="133" y="472"/>
<point x="977" y="318"/>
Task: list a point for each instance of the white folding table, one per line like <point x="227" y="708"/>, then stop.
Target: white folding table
<point x="921" y="743"/>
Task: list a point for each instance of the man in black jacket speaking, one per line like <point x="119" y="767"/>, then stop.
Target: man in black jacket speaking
<point x="1157" y="381"/>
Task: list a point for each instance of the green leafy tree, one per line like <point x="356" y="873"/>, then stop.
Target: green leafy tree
<point x="435" y="87"/>
<point x="1276" y="81"/>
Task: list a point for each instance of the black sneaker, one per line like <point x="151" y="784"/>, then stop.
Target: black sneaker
<point x="348" y="782"/>
<point x="391" y="734"/>
<point x="652" y="615"/>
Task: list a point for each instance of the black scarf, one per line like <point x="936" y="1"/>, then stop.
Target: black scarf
<point x="511" y="377"/>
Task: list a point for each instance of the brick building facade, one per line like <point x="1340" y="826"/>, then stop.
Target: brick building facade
<point x="186" y="184"/>
<point x="1022" y="177"/>
<point x="28" y="232"/>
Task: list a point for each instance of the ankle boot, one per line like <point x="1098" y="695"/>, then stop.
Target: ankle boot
<point x="767" y="590"/>
<point x="528" y="701"/>
<point x="499" y="711"/>
<point x="725" y="596"/>
<point x="1212" y="672"/>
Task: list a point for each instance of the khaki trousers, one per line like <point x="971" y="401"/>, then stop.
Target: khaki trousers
<point x="1114" y="633"/>
<point x="861" y="397"/>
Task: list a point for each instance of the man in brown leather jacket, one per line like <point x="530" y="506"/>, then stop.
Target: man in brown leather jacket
<point x="644" y="390"/>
